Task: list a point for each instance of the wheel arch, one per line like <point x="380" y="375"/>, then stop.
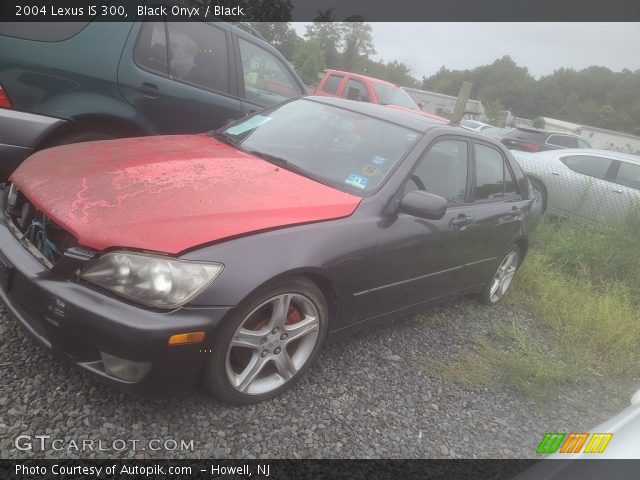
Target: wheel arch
<point x="313" y="274"/>
<point x="102" y="123"/>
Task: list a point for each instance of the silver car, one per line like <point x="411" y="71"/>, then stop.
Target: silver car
<point x="596" y="185"/>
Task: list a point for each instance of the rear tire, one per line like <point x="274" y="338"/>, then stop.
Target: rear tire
<point x="269" y="343"/>
<point x="497" y="287"/>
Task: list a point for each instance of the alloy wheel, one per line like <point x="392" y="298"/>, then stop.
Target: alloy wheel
<point x="504" y="276"/>
<point x="272" y="344"/>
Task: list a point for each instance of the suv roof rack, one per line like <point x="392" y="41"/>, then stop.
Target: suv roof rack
<point x="249" y="29"/>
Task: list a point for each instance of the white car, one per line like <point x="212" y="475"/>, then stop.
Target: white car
<point x="474" y="125"/>
<point x="596" y="185"/>
<point x="621" y="435"/>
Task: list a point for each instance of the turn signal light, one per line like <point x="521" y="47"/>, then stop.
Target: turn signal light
<point x="182" y="338"/>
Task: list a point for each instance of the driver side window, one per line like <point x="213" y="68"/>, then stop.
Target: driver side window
<point x="442" y="171"/>
<point x="266" y="80"/>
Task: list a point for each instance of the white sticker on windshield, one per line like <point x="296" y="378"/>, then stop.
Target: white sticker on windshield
<point x="248" y="124"/>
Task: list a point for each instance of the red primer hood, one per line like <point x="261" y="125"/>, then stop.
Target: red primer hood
<point x="170" y="193"/>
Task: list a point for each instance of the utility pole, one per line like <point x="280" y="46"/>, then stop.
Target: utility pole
<point x="461" y="103"/>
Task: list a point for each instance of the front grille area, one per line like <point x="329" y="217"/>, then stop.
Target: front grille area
<point x="43" y="238"/>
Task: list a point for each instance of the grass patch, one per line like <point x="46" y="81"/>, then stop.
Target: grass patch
<point x="583" y="283"/>
<point x="469" y="369"/>
<point x="510" y="356"/>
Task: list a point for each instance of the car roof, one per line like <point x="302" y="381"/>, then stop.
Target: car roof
<point x="408" y="119"/>
<point x="359" y="75"/>
<point x="549" y="132"/>
<point x="627" y="157"/>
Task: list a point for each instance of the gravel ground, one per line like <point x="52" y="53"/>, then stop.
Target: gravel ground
<point x="368" y="396"/>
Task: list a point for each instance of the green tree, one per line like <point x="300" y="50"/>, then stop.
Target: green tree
<point x="539" y="122"/>
<point x="358" y="46"/>
<point x="280" y="35"/>
<point x="329" y="37"/>
<point x="309" y="61"/>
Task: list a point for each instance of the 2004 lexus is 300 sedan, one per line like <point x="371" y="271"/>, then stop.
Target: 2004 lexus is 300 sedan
<point x="231" y="257"/>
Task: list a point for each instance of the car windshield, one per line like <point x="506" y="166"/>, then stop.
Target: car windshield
<point x="347" y="150"/>
<point x="392" y="95"/>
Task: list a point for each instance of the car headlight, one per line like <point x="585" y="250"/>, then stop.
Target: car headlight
<point x="152" y="280"/>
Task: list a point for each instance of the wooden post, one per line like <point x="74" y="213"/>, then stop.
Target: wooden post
<point x="461" y="103"/>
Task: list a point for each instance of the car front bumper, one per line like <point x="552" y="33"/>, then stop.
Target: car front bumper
<point x="77" y="323"/>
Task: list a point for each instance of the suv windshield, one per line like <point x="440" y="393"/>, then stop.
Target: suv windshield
<point x="392" y="95"/>
<point x="338" y="147"/>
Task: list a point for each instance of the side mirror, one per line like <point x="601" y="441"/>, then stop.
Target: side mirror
<point x="424" y="205"/>
<point x="421" y="105"/>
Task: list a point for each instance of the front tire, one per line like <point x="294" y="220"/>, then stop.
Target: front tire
<point x="269" y="343"/>
<point x="499" y="284"/>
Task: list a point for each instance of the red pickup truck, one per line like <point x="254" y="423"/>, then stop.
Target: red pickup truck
<point x="336" y="83"/>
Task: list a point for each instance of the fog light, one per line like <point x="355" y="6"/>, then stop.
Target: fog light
<point x="124" y="369"/>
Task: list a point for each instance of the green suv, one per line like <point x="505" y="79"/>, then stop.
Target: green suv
<point x="72" y="82"/>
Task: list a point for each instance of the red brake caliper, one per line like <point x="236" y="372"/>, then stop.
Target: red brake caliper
<point x="293" y="316"/>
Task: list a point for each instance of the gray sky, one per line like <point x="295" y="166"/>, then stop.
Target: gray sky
<point x="541" y="47"/>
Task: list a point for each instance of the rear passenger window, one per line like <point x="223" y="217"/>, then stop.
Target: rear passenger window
<point x="596" y="167"/>
<point x="332" y="83"/>
<point x="150" y="51"/>
<point x="493" y="177"/>
<point x="198" y="55"/>
<point x="629" y="175"/>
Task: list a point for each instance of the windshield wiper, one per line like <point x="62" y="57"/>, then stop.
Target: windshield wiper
<point x="283" y="162"/>
<point x="225" y="138"/>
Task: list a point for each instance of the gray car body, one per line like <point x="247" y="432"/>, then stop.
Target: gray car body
<point x="570" y="193"/>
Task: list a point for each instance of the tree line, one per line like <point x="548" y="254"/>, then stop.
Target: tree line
<point x="593" y="96"/>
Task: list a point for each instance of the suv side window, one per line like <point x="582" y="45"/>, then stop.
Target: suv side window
<point x="332" y="83"/>
<point x="563" y="141"/>
<point x="591" y="166"/>
<point x="628" y="175"/>
<point x="150" y="51"/>
<point x="266" y="80"/>
<point x="198" y="55"/>
<point x="493" y="177"/>
<point x="442" y="171"/>
<point x="356" y="90"/>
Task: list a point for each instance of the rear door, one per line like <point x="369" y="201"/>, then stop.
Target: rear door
<point x="497" y="211"/>
<point x="178" y="75"/>
<point x="584" y="186"/>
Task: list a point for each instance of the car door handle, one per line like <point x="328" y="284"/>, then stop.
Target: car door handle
<point x="557" y="174"/>
<point x="515" y="212"/>
<point x="461" y="221"/>
<point x="615" y="190"/>
<point x="149" y="89"/>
